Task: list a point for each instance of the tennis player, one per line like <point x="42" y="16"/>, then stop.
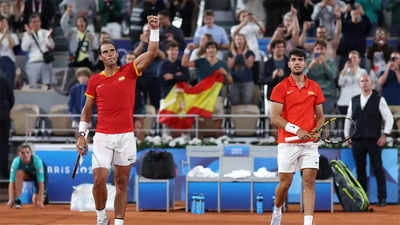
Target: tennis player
<point x="296" y="109"/>
<point x="113" y="91"/>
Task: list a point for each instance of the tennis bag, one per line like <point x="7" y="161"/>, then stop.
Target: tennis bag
<point x="349" y="191"/>
<point x="156" y="165"/>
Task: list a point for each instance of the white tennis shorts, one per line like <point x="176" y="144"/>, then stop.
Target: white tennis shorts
<point x="116" y="149"/>
<point x="295" y="156"/>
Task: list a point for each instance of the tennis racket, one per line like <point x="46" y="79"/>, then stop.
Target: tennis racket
<point x="331" y="132"/>
<point x="79" y="160"/>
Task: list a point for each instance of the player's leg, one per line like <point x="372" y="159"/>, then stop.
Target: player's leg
<point x="124" y="157"/>
<point x="101" y="163"/>
<point x="20" y="177"/>
<point x="309" y="163"/>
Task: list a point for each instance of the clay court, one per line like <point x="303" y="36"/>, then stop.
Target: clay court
<point x="61" y="214"/>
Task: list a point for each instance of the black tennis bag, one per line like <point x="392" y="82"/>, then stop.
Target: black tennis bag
<point x="156" y="165"/>
<point x="349" y="191"/>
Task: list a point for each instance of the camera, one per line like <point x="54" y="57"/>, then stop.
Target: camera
<point x="392" y="59"/>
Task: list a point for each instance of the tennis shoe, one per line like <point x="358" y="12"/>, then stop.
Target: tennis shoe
<point x="103" y="220"/>
<point x="17" y="204"/>
<point x="276" y="219"/>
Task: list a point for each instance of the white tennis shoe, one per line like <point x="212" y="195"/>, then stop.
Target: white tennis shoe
<point x="103" y="220"/>
<point x="276" y="219"/>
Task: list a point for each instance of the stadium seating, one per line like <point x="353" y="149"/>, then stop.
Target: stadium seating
<point x="18" y="117"/>
<point x="61" y="125"/>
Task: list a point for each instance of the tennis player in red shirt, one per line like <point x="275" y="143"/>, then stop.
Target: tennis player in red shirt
<point x="296" y="110"/>
<point x="113" y="91"/>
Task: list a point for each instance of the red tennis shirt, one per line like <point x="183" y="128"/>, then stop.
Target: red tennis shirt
<point x="115" y="99"/>
<point x="298" y="104"/>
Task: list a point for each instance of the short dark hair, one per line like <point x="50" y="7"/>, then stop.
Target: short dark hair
<point x="277" y="41"/>
<point x="84" y="19"/>
<point x="105" y="42"/>
<point x="164" y="12"/>
<point x="212" y="43"/>
<point x="297" y="52"/>
<point x="209" y="12"/>
<point x="33" y="16"/>
<point x="171" y="44"/>
<point x="321" y="43"/>
<point x="24" y="145"/>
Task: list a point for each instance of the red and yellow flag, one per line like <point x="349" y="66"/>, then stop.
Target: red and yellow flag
<point x="184" y="99"/>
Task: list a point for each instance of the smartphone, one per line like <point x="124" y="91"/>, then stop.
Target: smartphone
<point x="316" y="55"/>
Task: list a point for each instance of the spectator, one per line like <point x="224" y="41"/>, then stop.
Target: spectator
<point x="140" y="102"/>
<point x="218" y="33"/>
<point x="379" y="53"/>
<point x="150" y="81"/>
<point x="274" y="9"/>
<point x="81" y="8"/>
<point x="252" y="29"/>
<point x="354" y="36"/>
<point x="6" y="103"/>
<point x="349" y="81"/>
<point x="200" y="52"/>
<point x="8" y="40"/>
<point x="151" y="7"/>
<point x="14" y="18"/>
<point x="394" y="7"/>
<point x="276" y="68"/>
<point x="76" y="96"/>
<point x="240" y="63"/>
<point x="27" y="167"/>
<point x="323" y="71"/>
<point x="206" y="67"/>
<point x="35" y="41"/>
<point x="289" y="31"/>
<point x="373" y="10"/>
<point x="390" y="83"/>
<point x="111" y="17"/>
<point x="82" y="42"/>
<point x="168" y="32"/>
<point x="325" y="13"/>
<point x="184" y="9"/>
<point x="44" y="8"/>
<point x="322" y="34"/>
<point x="171" y="71"/>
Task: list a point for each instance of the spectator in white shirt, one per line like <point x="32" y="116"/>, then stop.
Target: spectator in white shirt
<point x="36" y="69"/>
<point x="8" y="40"/>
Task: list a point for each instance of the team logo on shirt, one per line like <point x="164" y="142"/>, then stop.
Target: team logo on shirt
<point x="311" y="93"/>
<point x="121" y="78"/>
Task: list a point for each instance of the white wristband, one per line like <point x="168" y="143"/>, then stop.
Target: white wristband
<point x="291" y="128"/>
<point x="187" y="51"/>
<point x="154" y="35"/>
<point x="83" y="126"/>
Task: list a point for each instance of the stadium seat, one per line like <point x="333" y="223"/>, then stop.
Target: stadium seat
<point x="18" y="116"/>
<point x="62" y="126"/>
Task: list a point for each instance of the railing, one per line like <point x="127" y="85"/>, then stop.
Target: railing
<point x="262" y="129"/>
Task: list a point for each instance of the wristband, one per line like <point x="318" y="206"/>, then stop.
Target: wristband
<point x="154" y="35"/>
<point x="187" y="51"/>
<point x="83" y="126"/>
<point x="291" y="128"/>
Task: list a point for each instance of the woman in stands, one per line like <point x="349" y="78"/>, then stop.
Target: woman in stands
<point x="27" y="167"/>
<point x="200" y="52"/>
<point x="241" y="62"/>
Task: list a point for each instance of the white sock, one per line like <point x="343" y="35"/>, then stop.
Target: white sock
<point x="118" y="221"/>
<point x="101" y="213"/>
<point x="308" y="220"/>
<point x="277" y="210"/>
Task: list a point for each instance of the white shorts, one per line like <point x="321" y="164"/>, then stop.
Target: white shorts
<point x="295" y="156"/>
<point x="116" y="149"/>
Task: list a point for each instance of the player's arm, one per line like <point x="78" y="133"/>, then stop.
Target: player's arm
<point x="319" y="117"/>
<point x="11" y="185"/>
<point x="39" y="167"/>
<point x="278" y="121"/>
<point x="143" y="60"/>
<point x="84" y="123"/>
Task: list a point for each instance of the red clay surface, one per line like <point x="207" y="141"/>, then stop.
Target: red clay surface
<point x="61" y="214"/>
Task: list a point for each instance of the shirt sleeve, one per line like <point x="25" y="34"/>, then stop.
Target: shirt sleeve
<point x="320" y="96"/>
<point x="14" y="168"/>
<point x="386" y="115"/>
<point x="38" y="164"/>
<point x="91" y="89"/>
<point x="277" y="94"/>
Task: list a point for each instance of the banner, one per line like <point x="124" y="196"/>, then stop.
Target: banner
<point x="184" y="99"/>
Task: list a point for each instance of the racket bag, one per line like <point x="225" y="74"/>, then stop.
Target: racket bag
<point x="156" y="165"/>
<point x="351" y="195"/>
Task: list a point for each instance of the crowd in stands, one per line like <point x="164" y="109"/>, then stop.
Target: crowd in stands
<point x="337" y="53"/>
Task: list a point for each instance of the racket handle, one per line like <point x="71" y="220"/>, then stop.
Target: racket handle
<point x="294" y="138"/>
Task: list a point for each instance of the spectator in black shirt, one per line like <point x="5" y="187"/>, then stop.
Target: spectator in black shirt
<point x="168" y="32"/>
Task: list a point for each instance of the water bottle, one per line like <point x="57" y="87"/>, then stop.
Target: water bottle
<point x="202" y="204"/>
<point x="259" y="203"/>
<point x="194" y="200"/>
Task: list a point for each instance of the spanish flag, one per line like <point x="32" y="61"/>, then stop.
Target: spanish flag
<point x="184" y="99"/>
